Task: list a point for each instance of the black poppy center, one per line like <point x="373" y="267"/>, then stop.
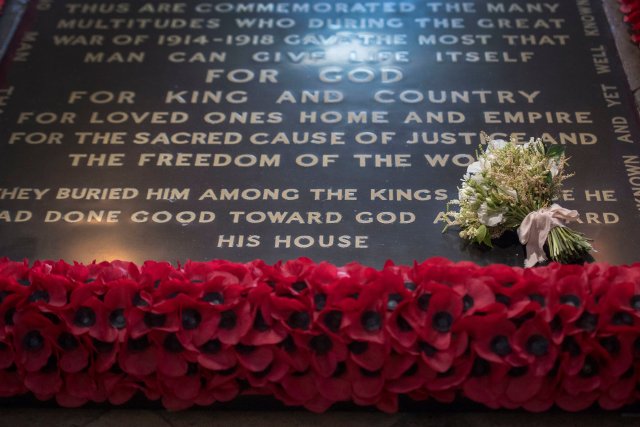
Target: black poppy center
<point x="442" y="321"/>
<point x="518" y="371"/>
<point x="358" y="347"/>
<point x="288" y="344"/>
<point x="538" y="298"/>
<point x="245" y="349"/>
<point x="571" y="346"/>
<point x="341" y="369"/>
<point x="299" y="320"/>
<point x="611" y="344"/>
<point x="259" y="324"/>
<point x="423" y="301"/>
<point x="138" y="344"/>
<point x="321" y="344"/>
<point x="33" y="341"/>
<point x="467" y="302"/>
<point x="3" y="295"/>
<point x="117" y="319"/>
<point x="410" y="286"/>
<point x="332" y="320"/>
<point x="481" y="368"/>
<point x="67" y="341"/>
<point x="85" y="317"/>
<point x="393" y="301"/>
<point x="138" y="301"/>
<point x="8" y="316"/>
<point x="228" y="319"/>
<point x="212" y="346"/>
<point x="102" y="346"/>
<point x="299" y="286"/>
<point x="634" y="302"/>
<point x="622" y="318"/>
<point x="570" y="299"/>
<point x="590" y="367"/>
<point x="214" y="298"/>
<point x="403" y="325"/>
<point x="371" y="321"/>
<point x="556" y="323"/>
<point x="191" y="318"/>
<point x="500" y="345"/>
<point x="154" y="320"/>
<point x="587" y="321"/>
<point x="39" y="295"/>
<point x="319" y="301"/>
<point x="172" y="344"/>
<point x="427" y="349"/>
<point x="537" y="345"/>
<point x="503" y="299"/>
<point x="370" y="374"/>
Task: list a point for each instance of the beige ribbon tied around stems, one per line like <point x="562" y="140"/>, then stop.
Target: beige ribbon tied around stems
<point x="535" y="229"/>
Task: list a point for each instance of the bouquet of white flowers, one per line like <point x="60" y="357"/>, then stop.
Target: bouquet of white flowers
<point x="512" y="186"/>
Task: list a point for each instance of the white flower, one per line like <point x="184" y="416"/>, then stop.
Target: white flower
<point x="497" y="144"/>
<point x="466" y="193"/>
<point x="554" y="167"/>
<point x="510" y="192"/>
<point x="474" y="168"/>
<point x="490" y="217"/>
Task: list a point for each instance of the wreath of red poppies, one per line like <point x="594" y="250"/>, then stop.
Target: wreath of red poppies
<point x="631" y="9"/>
<point x="315" y="334"/>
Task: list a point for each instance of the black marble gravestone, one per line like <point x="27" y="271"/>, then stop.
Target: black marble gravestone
<point x="337" y="130"/>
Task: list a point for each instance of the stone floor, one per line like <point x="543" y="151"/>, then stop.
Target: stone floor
<point x="34" y="416"/>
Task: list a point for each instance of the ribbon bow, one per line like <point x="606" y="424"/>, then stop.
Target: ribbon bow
<point x="535" y="229"/>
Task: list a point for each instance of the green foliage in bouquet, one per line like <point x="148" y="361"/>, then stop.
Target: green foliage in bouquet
<point x="512" y="186"/>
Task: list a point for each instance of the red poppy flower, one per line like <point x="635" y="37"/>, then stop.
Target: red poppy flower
<point x="172" y="357"/>
<point x="73" y="353"/>
<point x="48" y="290"/>
<point x="84" y="312"/>
<point x="138" y="356"/>
<point x="325" y="353"/>
<point x="273" y="373"/>
<point x="544" y="399"/>
<point x="453" y="377"/>
<point x="46" y="381"/>
<point x="34" y="338"/>
<point x="105" y="354"/>
<point x="216" y="355"/>
<point x="476" y="295"/>
<point x="217" y="388"/>
<point x="519" y="386"/>
<point x="264" y="329"/>
<point x="492" y="338"/>
<point x="223" y="309"/>
<point x="337" y="386"/>
<point x="7" y="356"/>
<point x="436" y="313"/>
<point x="297" y="388"/>
<point x="409" y="375"/>
<point x="575" y="402"/>
<point x="254" y="358"/>
<point x="118" y="387"/>
<point x="11" y="382"/>
<point x="11" y="297"/>
<point x="181" y="392"/>
<point x="153" y="273"/>
<point x="620" y="392"/>
<point x="78" y="389"/>
<point x="486" y="383"/>
<point x="532" y="341"/>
